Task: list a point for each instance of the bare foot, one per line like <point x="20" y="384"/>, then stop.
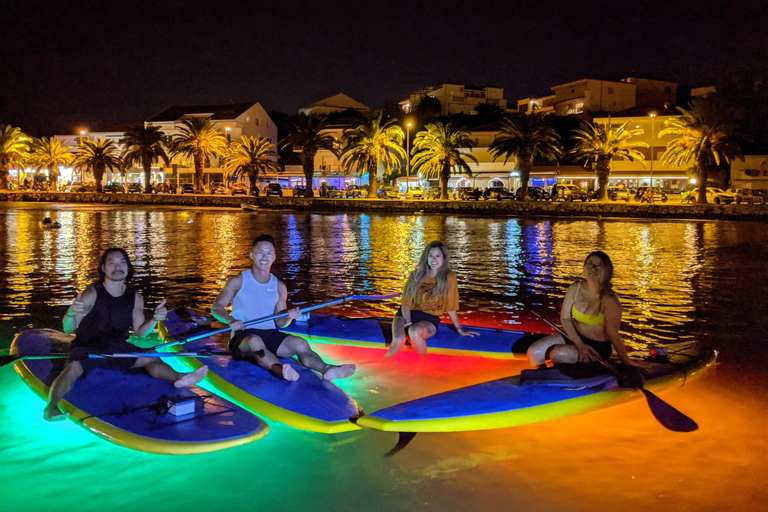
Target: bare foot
<point x="289" y="373"/>
<point x="190" y="379"/>
<point x="339" y="372"/>
<point x="53" y="413"/>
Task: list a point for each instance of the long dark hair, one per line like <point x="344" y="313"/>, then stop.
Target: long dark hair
<point x="103" y="261"/>
<point x="607" y="287"/>
<point x="421" y="272"/>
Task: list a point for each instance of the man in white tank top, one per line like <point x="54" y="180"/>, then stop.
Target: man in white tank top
<point x="256" y="293"/>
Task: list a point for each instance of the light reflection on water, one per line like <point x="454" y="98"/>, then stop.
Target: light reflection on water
<point x="677" y="281"/>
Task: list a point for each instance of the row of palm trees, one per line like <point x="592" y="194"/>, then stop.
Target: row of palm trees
<point x="197" y="141"/>
<point x="438" y="150"/>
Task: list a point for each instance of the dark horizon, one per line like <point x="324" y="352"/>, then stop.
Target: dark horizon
<point x="99" y="63"/>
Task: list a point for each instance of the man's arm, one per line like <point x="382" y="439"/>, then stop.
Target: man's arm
<point x="219" y="308"/>
<point x="282" y="305"/>
<point x="79" y="308"/>
<point x="142" y="326"/>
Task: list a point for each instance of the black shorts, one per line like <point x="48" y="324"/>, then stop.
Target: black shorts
<point x="272" y="339"/>
<point x="420" y="316"/>
<point x="122" y="364"/>
<point x="604" y="348"/>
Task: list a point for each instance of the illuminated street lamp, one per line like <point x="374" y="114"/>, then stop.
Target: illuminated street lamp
<point x="408" y="152"/>
<point x="229" y="137"/>
<point x="653" y="134"/>
<point x="82" y="143"/>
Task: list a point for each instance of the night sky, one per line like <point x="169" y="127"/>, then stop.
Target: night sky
<point x="66" y="64"/>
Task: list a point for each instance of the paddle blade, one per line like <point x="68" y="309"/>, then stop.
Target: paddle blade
<point x="402" y="441"/>
<point x="667" y="415"/>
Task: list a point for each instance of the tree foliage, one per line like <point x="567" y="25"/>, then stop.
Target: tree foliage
<point x="96" y="157"/>
<point x="144" y="146"/>
<point x="251" y="156"/>
<point x="198" y="140"/>
<point x="438" y="149"/>
<point x="50" y="153"/>
<point x="306" y="137"/>
<point x="14" y="145"/>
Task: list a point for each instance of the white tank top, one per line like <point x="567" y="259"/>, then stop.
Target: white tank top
<point x="255" y="300"/>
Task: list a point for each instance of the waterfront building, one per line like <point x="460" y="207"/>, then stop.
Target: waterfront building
<point x="752" y="172"/>
<point x="458" y="98"/>
<point x="336" y="103"/>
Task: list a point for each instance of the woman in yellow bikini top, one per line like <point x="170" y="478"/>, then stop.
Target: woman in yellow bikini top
<point x="594" y="336"/>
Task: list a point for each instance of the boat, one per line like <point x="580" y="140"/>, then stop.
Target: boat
<point x="309" y="403"/>
<point x="249" y="207"/>
<point x="50" y="224"/>
<point x="136" y="411"/>
<point x="375" y="333"/>
<point x="534" y="397"/>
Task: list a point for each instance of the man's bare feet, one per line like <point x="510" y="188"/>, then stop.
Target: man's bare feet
<point x="53" y="413"/>
<point x="289" y="373"/>
<point x="190" y="379"/>
<point x="339" y="372"/>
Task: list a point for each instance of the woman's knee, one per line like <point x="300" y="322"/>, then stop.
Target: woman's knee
<point x="539" y="351"/>
<point x="564" y="354"/>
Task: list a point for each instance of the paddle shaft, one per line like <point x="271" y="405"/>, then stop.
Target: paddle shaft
<point x="4" y="360"/>
<point x="280" y="315"/>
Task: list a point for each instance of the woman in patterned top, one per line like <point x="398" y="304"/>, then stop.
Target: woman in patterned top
<point x="431" y="291"/>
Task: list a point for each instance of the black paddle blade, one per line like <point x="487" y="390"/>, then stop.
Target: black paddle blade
<point x="4" y="360"/>
<point x="667" y="415"/>
<point x="402" y="441"/>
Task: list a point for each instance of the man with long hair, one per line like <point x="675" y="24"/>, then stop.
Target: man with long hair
<point x="256" y="293"/>
<point x="103" y="315"/>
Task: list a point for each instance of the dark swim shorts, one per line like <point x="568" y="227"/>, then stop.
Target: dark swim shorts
<point x="604" y="348"/>
<point x="420" y="316"/>
<point x="272" y="339"/>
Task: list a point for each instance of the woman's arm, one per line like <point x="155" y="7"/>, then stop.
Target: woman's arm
<point x="455" y="319"/>
<point x="613" y="312"/>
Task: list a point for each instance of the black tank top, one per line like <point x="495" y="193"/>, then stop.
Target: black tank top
<point x="110" y="320"/>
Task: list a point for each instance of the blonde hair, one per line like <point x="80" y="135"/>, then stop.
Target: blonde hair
<point x="421" y="272"/>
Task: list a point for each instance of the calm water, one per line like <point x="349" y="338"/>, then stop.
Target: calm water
<point x="677" y="280"/>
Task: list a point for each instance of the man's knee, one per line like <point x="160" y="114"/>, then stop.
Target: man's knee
<point x="296" y="344"/>
<point x="252" y="343"/>
<point x="75" y="370"/>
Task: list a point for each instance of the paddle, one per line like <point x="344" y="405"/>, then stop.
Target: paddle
<point x="4" y="360"/>
<point x="667" y="415"/>
<point x="279" y="315"/>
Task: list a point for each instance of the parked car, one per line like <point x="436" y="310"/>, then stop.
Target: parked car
<point x="617" y="194"/>
<point x="356" y="191"/>
<point x="718" y="196"/>
<point x="239" y="188"/>
<point x="333" y="192"/>
<point x="466" y="193"/>
<point x="388" y="192"/>
<point x="535" y="193"/>
<point x="568" y="192"/>
<point x="746" y="195"/>
<point x="84" y="187"/>
<point x="298" y="191"/>
<point x="135" y="188"/>
<point x="641" y="195"/>
<point x="114" y="188"/>
<point x="498" y="193"/>
<point x="187" y="188"/>
<point x="432" y="193"/>
<point x="218" y="187"/>
<point x="272" y="189"/>
<point x="414" y="192"/>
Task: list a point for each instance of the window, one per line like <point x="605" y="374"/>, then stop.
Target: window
<point x="610" y="90"/>
<point x="256" y="121"/>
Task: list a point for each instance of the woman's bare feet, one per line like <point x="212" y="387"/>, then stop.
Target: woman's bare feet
<point x="289" y="373"/>
<point x="190" y="379"/>
<point x="339" y="372"/>
<point x="53" y="413"/>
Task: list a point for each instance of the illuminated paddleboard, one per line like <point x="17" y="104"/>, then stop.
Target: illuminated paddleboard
<point x="508" y="403"/>
<point x="309" y="403"/>
<point x="132" y="410"/>
<point x="375" y="333"/>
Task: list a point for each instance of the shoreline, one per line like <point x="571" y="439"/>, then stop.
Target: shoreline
<point x="742" y="212"/>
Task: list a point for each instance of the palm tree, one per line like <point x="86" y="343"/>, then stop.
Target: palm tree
<point x="96" y="157"/>
<point x="601" y="144"/>
<point x="14" y="145"/>
<point x="372" y="143"/>
<point x="436" y="150"/>
<point x="50" y="152"/>
<point x="251" y="156"/>
<point x="305" y="136"/>
<point x="198" y="140"/>
<point x="526" y="137"/>
<point x="144" y="145"/>
<point x="702" y="135"/>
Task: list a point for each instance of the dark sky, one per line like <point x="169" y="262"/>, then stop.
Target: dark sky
<point x="67" y="64"/>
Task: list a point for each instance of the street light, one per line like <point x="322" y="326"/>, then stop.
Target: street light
<point x="408" y="153"/>
<point x="653" y="115"/>
<point x="82" y="139"/>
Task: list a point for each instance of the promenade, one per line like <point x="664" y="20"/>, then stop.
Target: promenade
<point x="668" y="210"/>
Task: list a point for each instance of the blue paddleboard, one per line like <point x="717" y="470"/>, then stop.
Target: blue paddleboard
<point x="375" y="333"/>
<point x="309" y="403"/>
<point x="132" y="410"/>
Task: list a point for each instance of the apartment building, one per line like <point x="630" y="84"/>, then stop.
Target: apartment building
<point x="458" y="99"/>
<point x="336" y="103"/>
